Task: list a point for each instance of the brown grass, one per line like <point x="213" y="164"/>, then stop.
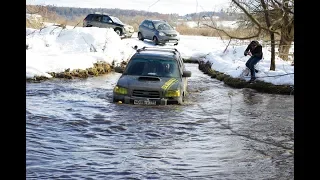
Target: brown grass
<point x="33" y="24"/>
<point x="208" y="31"/>
<point x="185" y="30"/>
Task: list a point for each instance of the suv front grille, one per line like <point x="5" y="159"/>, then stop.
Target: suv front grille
<point x="148" y="94"/>
<point x="172" y="35"/>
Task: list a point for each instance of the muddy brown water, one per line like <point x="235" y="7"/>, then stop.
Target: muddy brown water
<point x="74" y="131"/>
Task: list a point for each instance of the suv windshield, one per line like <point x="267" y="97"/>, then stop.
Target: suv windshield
<point x="116" y="20"/>
<point x="152" y="67"/>
<point x="162" y="26"/>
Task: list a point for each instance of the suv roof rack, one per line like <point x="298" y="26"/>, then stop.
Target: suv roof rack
<point x="102" y="13"/>
<point x="157" y="20"/>
<point x="168" y="49"/>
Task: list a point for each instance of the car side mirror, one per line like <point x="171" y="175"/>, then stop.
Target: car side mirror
<point x="118" y="69"/>
<point x="186" y="74"/>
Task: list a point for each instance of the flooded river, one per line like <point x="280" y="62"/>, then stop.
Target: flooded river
<point x="74" y="131"/>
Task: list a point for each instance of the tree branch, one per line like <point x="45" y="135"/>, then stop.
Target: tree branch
<point x="247" y="13"/>
<point x="227" y="46"/>
<point x="284" y="7"/>
<point x="234" y="37"/>
<point x="254" y="20"/>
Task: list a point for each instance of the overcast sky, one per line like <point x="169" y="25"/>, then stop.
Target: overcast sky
<point x="180" y="7"/>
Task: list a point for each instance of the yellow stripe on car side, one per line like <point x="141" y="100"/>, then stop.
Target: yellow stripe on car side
<point x="169" y="83"/>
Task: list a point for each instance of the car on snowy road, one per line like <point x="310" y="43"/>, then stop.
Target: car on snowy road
<point x="159" y="31"/>
<point x="102" y="20"/>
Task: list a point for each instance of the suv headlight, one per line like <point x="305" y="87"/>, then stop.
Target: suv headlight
<point x="120" y="90"/>
<point x="162" y="34"/>
<point x="172" y="93"/>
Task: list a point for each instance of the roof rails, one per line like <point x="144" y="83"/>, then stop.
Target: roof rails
<point x="168" y="49"/>
<point x="102" y="13"/>
<point x="158" y="20"/>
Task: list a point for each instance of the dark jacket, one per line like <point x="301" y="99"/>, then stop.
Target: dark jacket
<point x="256" y="52"/>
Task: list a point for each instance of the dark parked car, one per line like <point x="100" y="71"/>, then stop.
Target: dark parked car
<point x="107" y="21"/>
<point x="153" y="76"/>
<point x="159" y="31"/>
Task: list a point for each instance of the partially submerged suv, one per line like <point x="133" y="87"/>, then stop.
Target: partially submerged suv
<point x="153" y="76"/>
<point x="158" y="31"/>
<point x="106" y="21"/>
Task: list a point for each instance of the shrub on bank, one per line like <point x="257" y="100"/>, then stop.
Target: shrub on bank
<point x="99" y="68"/>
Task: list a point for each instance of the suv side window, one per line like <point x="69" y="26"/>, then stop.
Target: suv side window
<point x="150" y="25"/>
<point x="89" y="17"/>
<point x="145" y="24"/>
<point x="106" y="19"/>
<point x="96" y="18"/>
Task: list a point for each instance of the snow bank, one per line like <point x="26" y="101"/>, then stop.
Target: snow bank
<point x="54" y="49"/>
<point x="232" y="62"/>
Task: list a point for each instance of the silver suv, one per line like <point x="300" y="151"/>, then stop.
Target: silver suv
<point x="158" y="31"/>
<point x="106" y="21"/>
<point x="153" y="76"/>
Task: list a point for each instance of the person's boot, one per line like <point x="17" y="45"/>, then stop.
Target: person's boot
<point x="252" y="79"/>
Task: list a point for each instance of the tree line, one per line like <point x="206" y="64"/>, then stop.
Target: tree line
<point x="71" y="13"/>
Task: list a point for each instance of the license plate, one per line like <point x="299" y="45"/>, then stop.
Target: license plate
<point x="172" y="40"/>
<point x="145" y="102"/>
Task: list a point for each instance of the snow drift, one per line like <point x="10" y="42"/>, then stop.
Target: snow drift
<point x="54" y="49"/>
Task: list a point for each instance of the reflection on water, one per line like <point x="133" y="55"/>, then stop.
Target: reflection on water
<point x="74" y="131"/>
<point x="251" y="97"/>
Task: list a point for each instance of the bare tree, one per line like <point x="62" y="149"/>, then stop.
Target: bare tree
<point x="268" y="22"/>
<point x="286" y="25"/>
